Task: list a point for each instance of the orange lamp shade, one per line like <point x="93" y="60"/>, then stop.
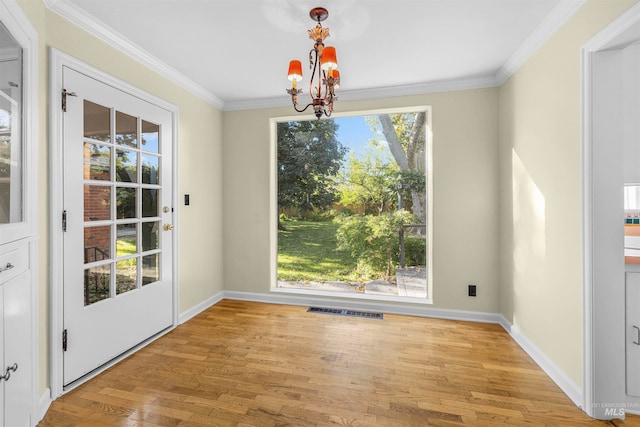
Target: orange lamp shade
<point x="336" y="75"/>
<point x="329" y="59"/>
<point x="295" y="71"/>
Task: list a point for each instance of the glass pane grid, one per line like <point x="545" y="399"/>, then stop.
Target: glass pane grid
<point x="122" y="165"/>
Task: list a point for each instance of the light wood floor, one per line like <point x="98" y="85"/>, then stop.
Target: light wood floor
<point x="252" y="364"/>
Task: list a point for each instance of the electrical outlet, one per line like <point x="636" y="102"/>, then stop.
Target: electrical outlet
<point x="472" y="290"/>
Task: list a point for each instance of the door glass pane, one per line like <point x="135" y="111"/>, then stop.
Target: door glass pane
<point x="126" y="130"/>
<point x="150" y="271"/>
<point x="150" y="236"/>
<point x="126" y="275"/>
<point x="149" y="169"/>
<point x="97" y="243"/>
<point x="97" y="121"/>
<point x="126" y="162"/>
<point x="149" y="203"/>
<point x="97" y="203"/>
<point x="97" y="282"/>
<point x="97" y="162"/>
<point x="150" y="135"/>
<point x="126" y="202"/>
<point x="126" y="240"/>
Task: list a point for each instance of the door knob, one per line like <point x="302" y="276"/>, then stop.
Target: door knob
<point x="168" y="227"/>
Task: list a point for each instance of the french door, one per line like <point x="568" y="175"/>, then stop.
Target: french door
<point x="117" y="222"/>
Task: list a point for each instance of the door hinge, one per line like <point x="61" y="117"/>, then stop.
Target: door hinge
<point x="64" y="221"/>
<point x="64" y="340"/>
<point x="64" y="98"/>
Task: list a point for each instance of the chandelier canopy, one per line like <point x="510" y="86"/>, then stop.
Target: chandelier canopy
<point x="325" y="77"/>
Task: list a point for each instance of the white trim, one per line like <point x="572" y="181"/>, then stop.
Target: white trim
<point x="43" y="405"/>
<point x="199" y="308"/>
<point x="587" y="234"/>
<point x="552" y="23"/>
<point x="88" y="23"/>
<point x="373" y="93"/>
<point x="557" y="375"/>
<point x="625" y="21"/>
<point x="391" y="308"/>
<point x="58" y="60"/>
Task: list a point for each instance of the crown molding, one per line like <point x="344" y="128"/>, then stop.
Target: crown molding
<point x="373" y="93"/>
<point x="552" y="23"/>
<point x="88" y="23"/>
<point x="558" y="16"/>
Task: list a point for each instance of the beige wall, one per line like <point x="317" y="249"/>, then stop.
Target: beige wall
<point x="506" y="186"/>
<point x="540" y="191"/>
<point x="465" y="195"/>
<point x="199" y="162"/>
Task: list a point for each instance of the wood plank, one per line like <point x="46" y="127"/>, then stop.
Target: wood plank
<point x="253" y="364"/>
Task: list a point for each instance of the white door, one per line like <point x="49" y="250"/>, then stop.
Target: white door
<point x="118" y="220"/>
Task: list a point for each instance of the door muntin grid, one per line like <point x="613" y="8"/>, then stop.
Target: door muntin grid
<point x="122" y="199"/>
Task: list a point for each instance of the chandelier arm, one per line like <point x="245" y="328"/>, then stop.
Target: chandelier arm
<point x="314" y="93"/>
<point x="303" y="110"/>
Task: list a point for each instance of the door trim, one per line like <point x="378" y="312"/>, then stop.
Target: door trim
<point x="58" y="60"/>
<point x="592" y="368"/>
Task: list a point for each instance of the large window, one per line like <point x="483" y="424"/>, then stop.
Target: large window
<point x="353" y="205"/>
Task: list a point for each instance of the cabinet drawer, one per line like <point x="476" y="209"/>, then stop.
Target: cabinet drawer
<point x="13" y="262"/>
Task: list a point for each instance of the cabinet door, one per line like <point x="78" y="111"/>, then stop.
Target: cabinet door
<point x="17" y="350"/>
<point x="633" y="333"/>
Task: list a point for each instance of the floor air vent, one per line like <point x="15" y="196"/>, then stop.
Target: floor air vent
<point x="340" y="312"/>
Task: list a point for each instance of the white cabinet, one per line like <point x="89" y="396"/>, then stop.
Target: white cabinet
<point x="18" y="217"/>
<point x="16" y="364"/>
<point x="633" y="333"/>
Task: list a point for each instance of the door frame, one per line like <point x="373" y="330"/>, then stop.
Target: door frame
<point x="603" y="366"/>
<point x="58" y="60"/>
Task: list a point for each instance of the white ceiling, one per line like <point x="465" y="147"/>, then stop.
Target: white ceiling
<point x="235" y="53"/>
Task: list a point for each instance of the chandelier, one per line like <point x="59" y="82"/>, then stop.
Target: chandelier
<point x="325" y="78"/>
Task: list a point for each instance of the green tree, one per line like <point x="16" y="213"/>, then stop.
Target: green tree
<point x="309" y="157"/>
<point x="369" y="181"/>
<point x="406" y="136"/>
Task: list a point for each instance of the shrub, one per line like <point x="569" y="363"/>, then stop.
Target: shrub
<point x="415" y="251"/>
<point x="373" y="240"/>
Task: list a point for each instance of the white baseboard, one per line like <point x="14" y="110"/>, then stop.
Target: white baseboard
<point x="194" y="311"/>
<point x="391" y="308"/>
<point x="43" y="405"/>
<point x="557" y="375"/>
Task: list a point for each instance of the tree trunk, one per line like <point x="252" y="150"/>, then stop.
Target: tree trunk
<point x="406" y="160"/>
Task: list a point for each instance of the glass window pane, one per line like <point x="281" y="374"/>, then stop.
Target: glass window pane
<point x="97" y="162"/>
<point x="126" y="166"/>
<point x="150" y="236"/>
<point x="126" y="275"/>
<point x="97" y="203"/>
<point x="97" y="121"/>
<point x="149" y="203"/>
<point x="150" y="135"/>
<point x="10" y="158"/>
<point x="97" y="243"/>
<point x="125" y="202"/>
<point x="126" y="130"/>
<point x="150" y="270"/>
<point x="97" y="284"/>
<point x="150" y="172"/>
<point x="126" y="240"/>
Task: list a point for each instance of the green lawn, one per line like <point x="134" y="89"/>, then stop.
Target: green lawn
<point x="307" y="252"/>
